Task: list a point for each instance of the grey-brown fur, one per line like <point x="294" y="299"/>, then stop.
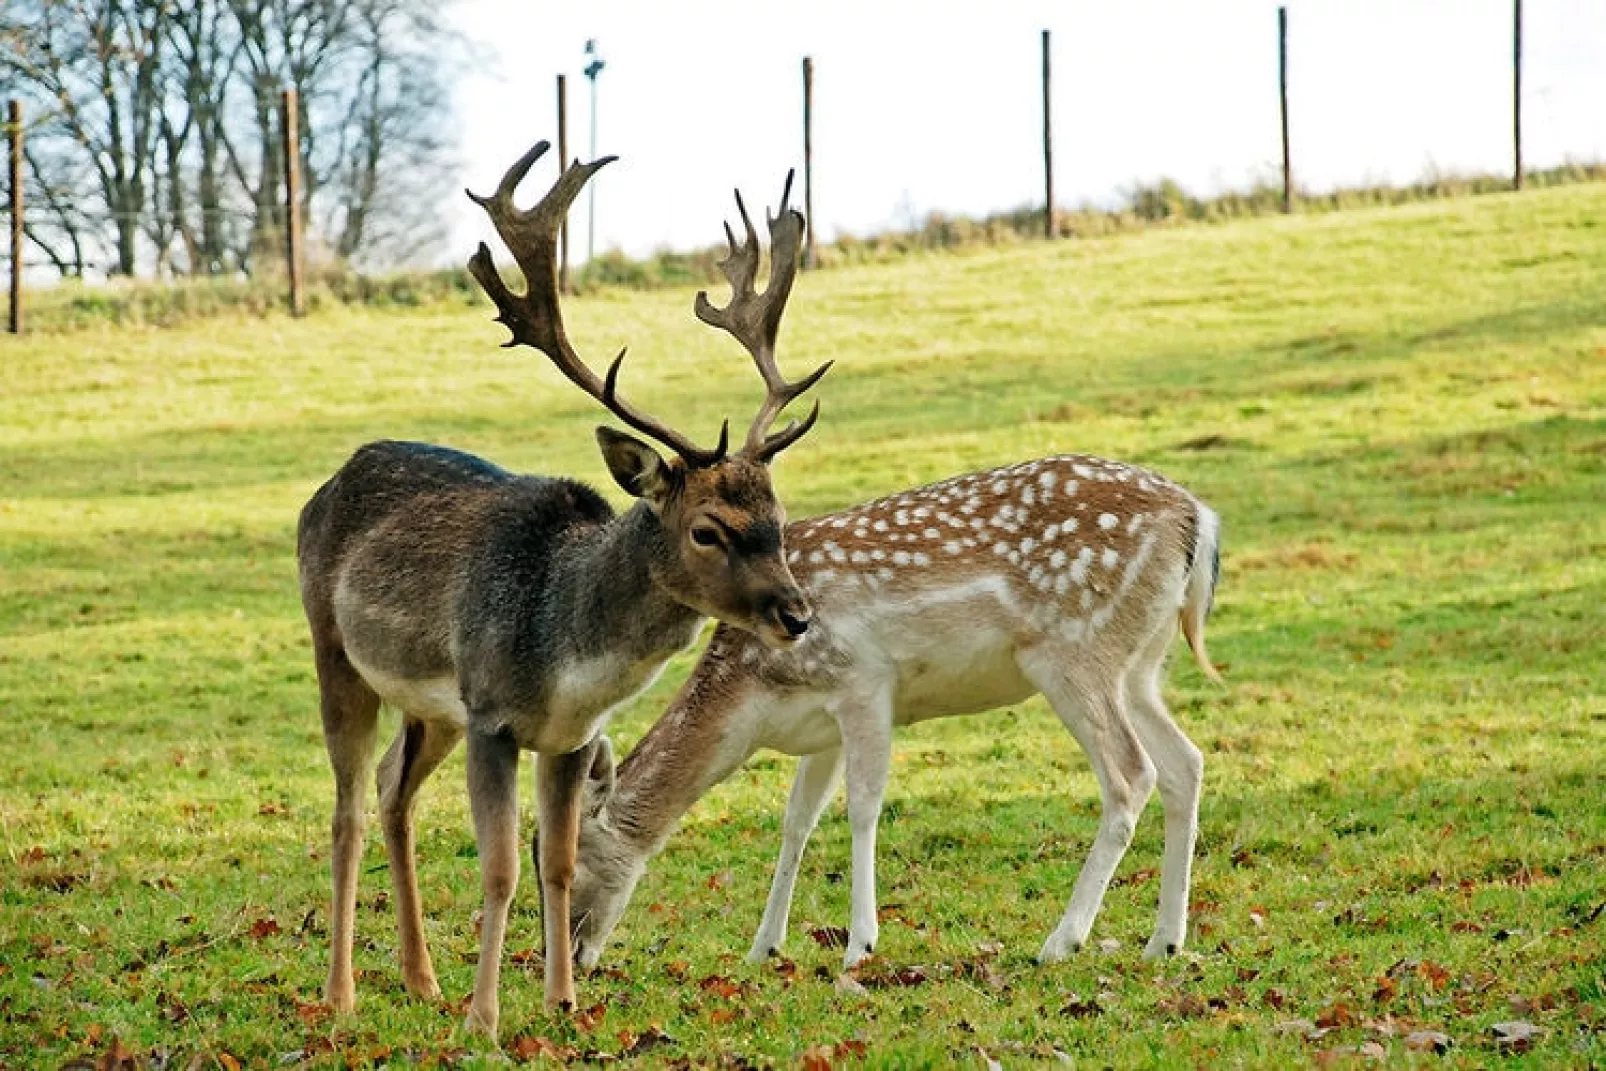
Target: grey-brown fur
<point x="517" y="611"/>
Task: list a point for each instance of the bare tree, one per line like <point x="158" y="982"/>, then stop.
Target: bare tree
<point x="158" y="139"/>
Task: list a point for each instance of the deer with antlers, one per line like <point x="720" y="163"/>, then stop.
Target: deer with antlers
<point x="1066" y="576"/>
<point x="518" y="611"/>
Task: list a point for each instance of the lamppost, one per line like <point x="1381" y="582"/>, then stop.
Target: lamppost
<point x="593" y="67"/>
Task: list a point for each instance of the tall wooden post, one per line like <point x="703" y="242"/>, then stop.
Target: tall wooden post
<point x="808" y="161"/>
<point x="1048" y="147"/>
<point x="292" y="200"/>
<point x="1282" y="98"/>
<point x="14" y="132"/>
<point x="563" y="165"/>
<point x="1516" y="94"/>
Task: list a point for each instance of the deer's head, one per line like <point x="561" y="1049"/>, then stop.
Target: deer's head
<point x="607" y="868"/>
<point x="720" y="525"/>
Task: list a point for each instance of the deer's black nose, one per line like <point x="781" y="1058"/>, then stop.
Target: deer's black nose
<point x="794" y="626"/>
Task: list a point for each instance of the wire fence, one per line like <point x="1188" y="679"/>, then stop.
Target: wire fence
<point x="279" y="254"/>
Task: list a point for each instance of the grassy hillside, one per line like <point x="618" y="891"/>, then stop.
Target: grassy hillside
<point x="1400" y="414"/>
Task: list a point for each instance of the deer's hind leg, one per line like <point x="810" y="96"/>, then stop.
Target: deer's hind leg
<point x="418" y="750"/>
<point x="1092" y="704"/>
<point x="1180" y="767"/>
<point x="350" y="722"/>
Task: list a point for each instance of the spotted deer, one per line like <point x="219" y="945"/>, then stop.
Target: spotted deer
<point x="1066" y="576"/>
<point x="519" y="611"/>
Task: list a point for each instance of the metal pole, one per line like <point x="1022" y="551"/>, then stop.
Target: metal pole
<point x="14" y="129"/>
<point x="292" y="200"/>
<point x="1516" y="94"/>
<point x="591" y="187"/>
<point x="1282" y="96"/>
<point x="563" y="165"/>
<point x="1048" y="147"/>
<point x="808" y="160"/>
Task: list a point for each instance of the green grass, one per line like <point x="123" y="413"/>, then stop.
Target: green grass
<point x="1400" y="415"/>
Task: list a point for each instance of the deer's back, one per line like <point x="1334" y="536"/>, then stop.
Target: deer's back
<point x="408" y="541"/>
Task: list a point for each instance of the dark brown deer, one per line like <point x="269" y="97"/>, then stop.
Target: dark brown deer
<point x="518" y="611"/>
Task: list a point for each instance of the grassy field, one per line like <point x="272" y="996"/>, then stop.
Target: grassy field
<point x="1400" y="415"/>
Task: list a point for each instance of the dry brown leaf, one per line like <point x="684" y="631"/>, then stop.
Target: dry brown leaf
<point x="1335" y="1015"/>
<point x="588" y="1018"/>
<point x="829" y="936"/>
<point x="266" y="927"/>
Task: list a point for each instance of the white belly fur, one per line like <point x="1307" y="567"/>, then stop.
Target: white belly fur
<point x="436" y="699"/>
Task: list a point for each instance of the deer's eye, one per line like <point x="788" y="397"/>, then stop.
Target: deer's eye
<point x="705" y="537"/>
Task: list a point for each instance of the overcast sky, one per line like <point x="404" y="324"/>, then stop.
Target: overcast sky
<point x="927" y="106"/>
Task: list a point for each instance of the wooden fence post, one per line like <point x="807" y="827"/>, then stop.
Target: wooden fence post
<point x="292" y="200"/>
<point x="1282" y="97"/>
<point x="1048" y="147"/>
<point x="14" y="132"/>
<point x="809" y="260"/>
<point x="563" y="165"/>
<point x="1516" y="94"/>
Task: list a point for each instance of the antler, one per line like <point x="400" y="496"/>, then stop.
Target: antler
<point x="534" y="318"/>
<point x="754" y="320"/>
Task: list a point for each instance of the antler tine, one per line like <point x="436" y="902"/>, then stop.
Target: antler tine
<point x="754" y="319"/>
<point x="534" y="318"/>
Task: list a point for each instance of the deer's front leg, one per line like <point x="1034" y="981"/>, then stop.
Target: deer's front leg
<point x="560" y="779"/>
<point x="817" y="775"/>
<point x="493" y="792"/>
<point x="866" y="726"/>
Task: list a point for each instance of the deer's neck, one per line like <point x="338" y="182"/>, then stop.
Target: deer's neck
<point x="613" y="600"/>
<point x="708" y="731"/>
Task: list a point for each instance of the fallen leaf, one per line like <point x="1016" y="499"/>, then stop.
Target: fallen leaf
<point x="1110" y="945"/>
<point x="1303" y="1027"/>
<point x="117" y="1057"/>
<point x="1386" y="990"/>
<point x="1465" y="926"/>
<point x="1335" y="1015"/>
<point x="817" y="1058"/>
<point x="264" y="928"/>
<point x="1427" y="1041"/>
<point x="313" y="1014"/>
<point x="873" y="975"/>
<point x="677" y="969"/>
<point x="829" y="936"/>
<point x="846" y="983"/>
<point x="588" y="1018"/>
<point x="1077" y="1008"/>
<point x="649" y="1039"/>
<point x="720" y="880"/>
<point x="852" y="1047"/>
<point x="1436" y="976"/>
<point x="171" y="1008"/>
<point x="1516" y="1035"/>
<point x="229" y="1062"/>
<point x="530" y="1047"/>
<point x="1185" y="1006"/>
<point x="720" y="986"/>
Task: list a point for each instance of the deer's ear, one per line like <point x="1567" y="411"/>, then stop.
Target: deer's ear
<point x="601" y="774"/>
<point x="635" y="466"/>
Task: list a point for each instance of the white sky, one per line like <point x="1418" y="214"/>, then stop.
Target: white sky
<point x="928" y="106"/>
